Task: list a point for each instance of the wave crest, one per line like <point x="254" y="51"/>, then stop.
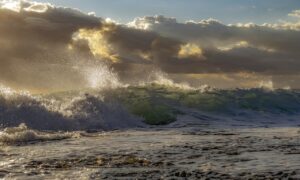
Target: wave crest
<point x="131" y="106"/>
<point x="66" y="111"/>
<point x="22" y="134"/>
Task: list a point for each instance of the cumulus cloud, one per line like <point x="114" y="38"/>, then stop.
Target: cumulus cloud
<point x="232" y="48"/>
<point x="212" y="33"/>
<point x="295" y="13"/>
<point x="45" y="46"/>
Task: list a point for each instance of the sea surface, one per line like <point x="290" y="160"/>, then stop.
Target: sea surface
<point x="150" y="131"/>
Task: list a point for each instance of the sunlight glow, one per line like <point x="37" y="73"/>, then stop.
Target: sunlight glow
<point x="190" y="50"/>
<point x="10" y="4"/>
<point x="97" y="43"/>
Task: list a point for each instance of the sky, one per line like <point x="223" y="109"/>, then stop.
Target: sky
<point x="58" y="45"/>
<point x="227" y="11"/>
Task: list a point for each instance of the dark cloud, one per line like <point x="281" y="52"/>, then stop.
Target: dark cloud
<point x="269" y="49"/>
<point x="225" y="49"/>
<point x="212" y="33"/>
<point x="46" y="47"/>
<point x="34" y="45"/>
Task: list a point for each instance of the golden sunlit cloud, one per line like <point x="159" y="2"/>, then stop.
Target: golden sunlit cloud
<point x="97" y="43"/>
<point x="241" y="44"/>
<point x="190" y="50"/>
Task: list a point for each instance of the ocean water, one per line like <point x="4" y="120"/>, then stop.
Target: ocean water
<point x="150" y="131"/>
<point x="178" y="153"/>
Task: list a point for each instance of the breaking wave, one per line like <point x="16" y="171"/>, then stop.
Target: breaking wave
<point x="63" y="111"/>
<point x="154" y="103"/>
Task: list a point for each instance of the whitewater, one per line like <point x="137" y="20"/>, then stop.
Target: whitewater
<point x="136" y="106"/>
<point x="153" y="129"/>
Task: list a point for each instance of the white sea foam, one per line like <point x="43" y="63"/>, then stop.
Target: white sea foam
<point x="22" y="134"/>
<point x="161" y="78"/>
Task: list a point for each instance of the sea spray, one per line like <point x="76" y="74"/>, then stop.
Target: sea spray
<point x="67" y="111"/>
<point x="100" y="76"/>
<point x="160" y="78"/>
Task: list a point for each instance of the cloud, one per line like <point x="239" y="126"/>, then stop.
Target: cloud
<point x="190" y="50"/>
<point x="295" y="13"/>
<point x="46" y="47"/>
<point x="34" y="41"/>
<point x="237" y="48"/>
<point x="212" y="33"/>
